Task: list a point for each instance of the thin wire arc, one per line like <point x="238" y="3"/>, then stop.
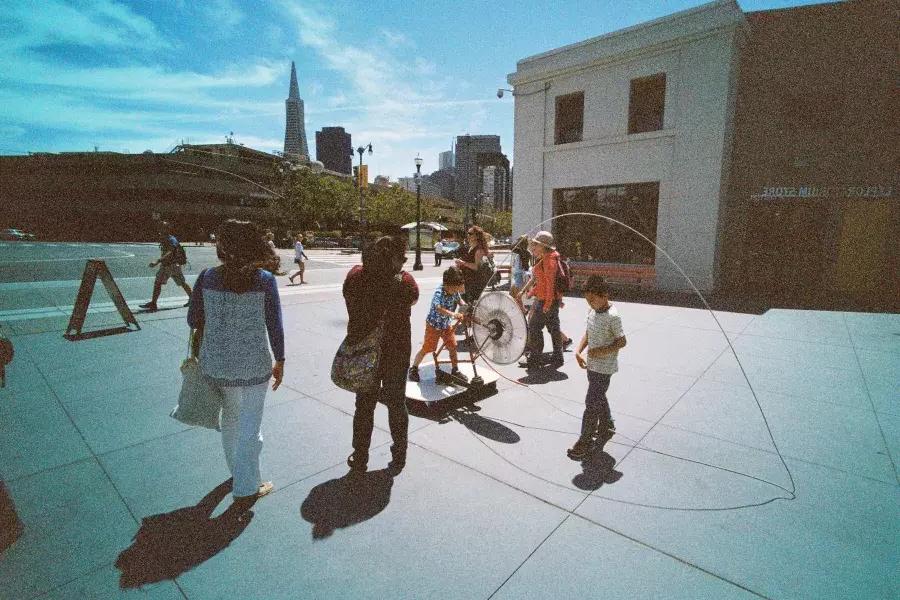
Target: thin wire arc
<point x="708" y="308"/>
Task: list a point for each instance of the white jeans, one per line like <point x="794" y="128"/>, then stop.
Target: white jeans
<point x="241" y="437"/>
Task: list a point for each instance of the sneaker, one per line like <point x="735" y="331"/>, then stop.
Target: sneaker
<point x="579" y="450"/>
<point x="557" y="361"/>
<point x="414" y="374"/>
<point x="358" y="464"/>
<point x="457" y="376"/>
<point x="264" y="489"/>
<point x="605" y="431"/>
<point x="148" y="306"/>
<point x="530" y="363"/>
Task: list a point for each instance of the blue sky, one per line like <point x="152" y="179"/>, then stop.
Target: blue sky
<point x="408" y="77"/>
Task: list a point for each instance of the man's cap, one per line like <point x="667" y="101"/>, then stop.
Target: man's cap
<point x="544" y="238"/>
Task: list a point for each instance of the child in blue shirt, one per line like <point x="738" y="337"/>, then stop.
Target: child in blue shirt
<point x="447" y="298"/>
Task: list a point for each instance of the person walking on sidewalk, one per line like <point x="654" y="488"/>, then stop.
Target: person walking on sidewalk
<point x="172" y="258"/>
<point x="438" y="252"/>
<point x="380" y="289"/>
<point x="300" y="259"/>
<point x="236" y="309"/>
<point x="603" y="338"/>
<point x="545" y="308"/>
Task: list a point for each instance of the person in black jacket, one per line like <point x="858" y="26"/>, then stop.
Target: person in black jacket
<point x="380" y="287"/>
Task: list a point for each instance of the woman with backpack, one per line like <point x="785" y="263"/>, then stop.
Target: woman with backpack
<point x="236" y="311"/>
<point x="547" y="293"/>
<point x="381" y="292"/>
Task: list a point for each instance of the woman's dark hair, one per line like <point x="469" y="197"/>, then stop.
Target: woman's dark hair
<point x="453" y="276"/>
<point x="480" y="237"/>
<point x="381" y="259"/>
<point x="521" y="249"/>
<point x="242" y="248"/>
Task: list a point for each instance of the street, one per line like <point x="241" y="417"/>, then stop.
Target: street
<point x="40" y="279"/>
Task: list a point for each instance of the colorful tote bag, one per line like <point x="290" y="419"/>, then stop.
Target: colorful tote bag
<point x="356" y="366"/>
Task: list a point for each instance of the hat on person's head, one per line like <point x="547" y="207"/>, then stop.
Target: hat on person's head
<point x="544" y="238"/>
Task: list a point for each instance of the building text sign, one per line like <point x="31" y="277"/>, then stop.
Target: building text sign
<point x="821" y="191"/>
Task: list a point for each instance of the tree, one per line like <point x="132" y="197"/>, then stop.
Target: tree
<point x="314" y="201"/>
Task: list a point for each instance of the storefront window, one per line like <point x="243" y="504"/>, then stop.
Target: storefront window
<point x="598" y="240"/>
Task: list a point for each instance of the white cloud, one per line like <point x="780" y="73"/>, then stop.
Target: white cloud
<point x="224" y="14"/>
<point x="97" y="23"/>
<point x="395" y="39"/>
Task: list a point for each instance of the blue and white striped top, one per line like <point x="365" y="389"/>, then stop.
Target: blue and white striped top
<point x="235" y="348"/>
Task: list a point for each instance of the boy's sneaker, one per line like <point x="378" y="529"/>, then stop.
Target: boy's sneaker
<point x="579" y="450"/>
<point x="605" y="431"/>
<point x="148" y="306"/>
<point x="557" y="361"/>
<point x="414" y="374"/>
<point x="456" y="376"/>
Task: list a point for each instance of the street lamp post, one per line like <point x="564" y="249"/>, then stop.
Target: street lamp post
<point x="362" y="205"/>
<point x="418" y="264"/>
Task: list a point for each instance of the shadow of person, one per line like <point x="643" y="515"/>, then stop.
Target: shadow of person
<point x="346" y="501"/>
<point x="543" y="375"/>
<point x="169" y="544"/>
<point x="597" y="470"/>
<point x="10" y="525"/>
<point x="485" y="427"/>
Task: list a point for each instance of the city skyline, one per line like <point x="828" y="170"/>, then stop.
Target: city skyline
<point x="132" y="76"/>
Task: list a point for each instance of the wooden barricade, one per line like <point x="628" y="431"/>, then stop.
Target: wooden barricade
<point x="643" y="276"/>
<point x="92" y="270"/>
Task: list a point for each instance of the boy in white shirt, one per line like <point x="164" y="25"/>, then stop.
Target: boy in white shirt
<point x="603" y="339"/>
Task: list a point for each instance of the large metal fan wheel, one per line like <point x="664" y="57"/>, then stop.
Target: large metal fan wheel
<point x="499" y="328"/>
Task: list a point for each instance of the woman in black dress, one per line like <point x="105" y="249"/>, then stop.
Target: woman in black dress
<point x="475" y="264"/>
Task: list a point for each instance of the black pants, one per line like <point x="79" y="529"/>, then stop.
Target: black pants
<point x="437" y="259"/>
<point x="392" y="393"/>
<point x="596" y="405"/>
<point x="539" y="320"/>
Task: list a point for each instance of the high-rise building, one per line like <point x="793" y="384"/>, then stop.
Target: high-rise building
<point x="445" y="160"/>
<point x="334" y="149"/>
<point x="468" y="169"/>
<point x="294" y="126"/>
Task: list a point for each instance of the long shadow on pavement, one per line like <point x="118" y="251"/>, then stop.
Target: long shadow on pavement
<point x="598" y="468"/>
<point x="10" y="525"/>
<point x="169" y="544"/>
<point x="345" y="501"/>
<point x="464" y="410"/>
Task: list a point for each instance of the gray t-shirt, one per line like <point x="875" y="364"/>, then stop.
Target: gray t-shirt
<point x="603" y="328"/>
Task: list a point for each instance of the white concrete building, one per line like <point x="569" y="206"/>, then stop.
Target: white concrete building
<point x="635" y="124"/>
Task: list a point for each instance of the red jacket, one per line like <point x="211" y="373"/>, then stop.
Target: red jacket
<point x="544" y="288"/>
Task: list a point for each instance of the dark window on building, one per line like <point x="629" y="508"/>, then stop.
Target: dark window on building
<point x="569" y="118"/>
<point x="596" y="239"/>
<point x="647" y="103"/>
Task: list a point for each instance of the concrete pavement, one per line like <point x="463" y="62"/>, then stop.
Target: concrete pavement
<point x="690" y="499"/>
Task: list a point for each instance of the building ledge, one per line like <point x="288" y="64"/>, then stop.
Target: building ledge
<point x="611" y="140"/>
<point x="663" y="32"/>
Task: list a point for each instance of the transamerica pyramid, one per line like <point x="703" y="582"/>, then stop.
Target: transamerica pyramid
<point x="294" y="127"/>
